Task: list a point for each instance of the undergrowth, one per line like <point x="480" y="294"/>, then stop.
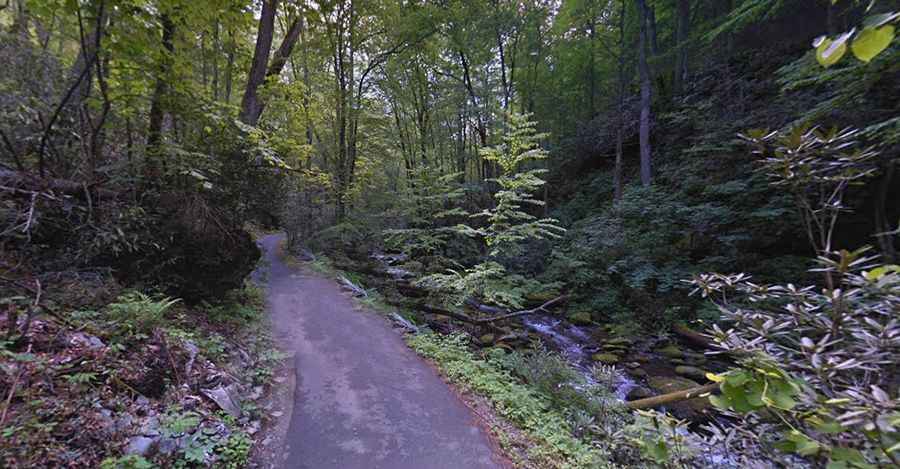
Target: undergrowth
<point x="556" y="444"/>
<point x="87" y="392"/>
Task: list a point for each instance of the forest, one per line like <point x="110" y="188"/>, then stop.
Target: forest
<point x="629" y="233"/>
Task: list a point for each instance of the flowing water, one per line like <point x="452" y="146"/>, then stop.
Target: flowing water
<point x="570" y="341"/>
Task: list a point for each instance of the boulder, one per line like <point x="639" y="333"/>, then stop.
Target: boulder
<point x="608" y="346"/>
<point x="691" y="409"/>
<point x="606" y="358"/>
<point x="581" y="318"/>
<point x="141" y="445"/>
<point x="671" y="351"/>
<point x="623" y="341"/>
<point x="638" y="392"/>
<point x="225" y="398"/>
<point x="691" y="372"/>
<point x="667" y="384"/>
<point x="80" y="339"/>
<point x="541" y="297"/>
<point x="638" y="373"/>
<point x="486" y="339"/>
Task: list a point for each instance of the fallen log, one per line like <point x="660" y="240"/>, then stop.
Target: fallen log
<point x="671" y="397"/>
<point x="489" y="322"/>
<point x="461" y="317"/>
<point x="692" y="336"/>
<point x="24" y="183"/>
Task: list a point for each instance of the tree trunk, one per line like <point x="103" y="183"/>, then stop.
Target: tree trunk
<point x="157" y="113"/>
<point x="646" y="169"/>
<point x="682" y="29"/>
<point x="618" y="182"/>
<point x="251" y="107"/>
<point x="279" y="60"/>
<point x="217" y="47"/>
<point x="883" y="226"/>
<point x="229" y="67"/>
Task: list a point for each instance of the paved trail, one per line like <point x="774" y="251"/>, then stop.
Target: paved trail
<point x="363" y="399"/>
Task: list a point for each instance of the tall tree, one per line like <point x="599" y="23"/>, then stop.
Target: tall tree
<point x="157" y="112"/>
<point x="252" y="104"/>
<point x="621" y="119"/>
<point x="643" y="66"/>
<point x="682" y="29"/>
<point x="251" y="107"/>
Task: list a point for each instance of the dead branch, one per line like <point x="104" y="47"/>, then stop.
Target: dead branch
<point x="30" y="219"/>
<point x="24" y="183"/>
<point x="671" y="397"/>
<point x="461" y="317"/>
<point x="489" y="322"/>
<point x="539" y="309"/>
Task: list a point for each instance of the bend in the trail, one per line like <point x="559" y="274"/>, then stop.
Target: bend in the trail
<point x="363" y="399"/>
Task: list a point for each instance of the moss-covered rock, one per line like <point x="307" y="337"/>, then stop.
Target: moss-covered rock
<point x="614" y="347"/>
<point x="671" y="351"/>
<point x="606" y="358"/>
<point x="691" y="372"/>
<point x="581" y="318"/>
<point x="638" y="373"/>
<point x="486" y="339"/>
<point x="623" y="341"/>
<point x="667" y="384"/>
<point x="693" y="409"/>
<point x="541" y="297"/>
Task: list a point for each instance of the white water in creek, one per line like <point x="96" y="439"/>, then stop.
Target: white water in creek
<point x="570" y="341"/>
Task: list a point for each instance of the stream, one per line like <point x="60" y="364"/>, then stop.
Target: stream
<point x="569" y="340"/>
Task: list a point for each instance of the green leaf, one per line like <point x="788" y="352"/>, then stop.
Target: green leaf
<point x="881" y="271"/>
<point x="849" y="455"/>
<point x="737" y="378"/>
<point x="829" y="52"/>
<point x="720" y="402"/>
<point x="755" y="392"/>
<point x="871" y="41"/>
<point x="830" y="426"/>
<point x="804" y="445"/>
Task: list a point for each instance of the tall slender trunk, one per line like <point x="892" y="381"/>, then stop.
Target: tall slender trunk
<point x="882" y="224"/>
<point x="646" y="152"/>
<point x="216" y="49"/>
<point x="682" y="29"/>
<point x="618" y="182"/>
<point x="307" y="91"/>
<point x="229" y="66"/>
<point x="592" y="73"/>
<point x="157" y="112"/>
